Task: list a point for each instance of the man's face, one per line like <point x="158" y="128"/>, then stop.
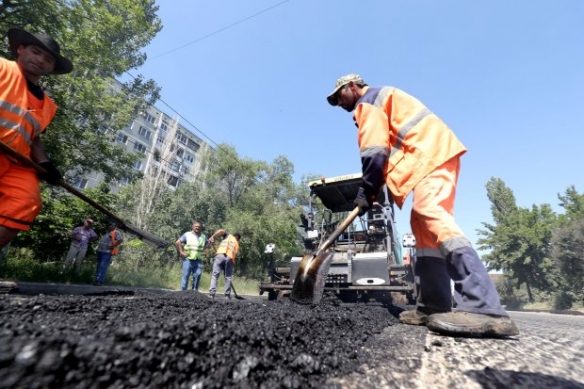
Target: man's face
<point x="35" y="60"/>
<point x="197" y="228"/>
<point x="347" y="97"/>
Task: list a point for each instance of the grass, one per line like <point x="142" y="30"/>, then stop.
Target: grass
<point x="119" y="273"/>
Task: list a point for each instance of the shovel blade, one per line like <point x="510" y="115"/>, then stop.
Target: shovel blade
<point x="311" y="277"/>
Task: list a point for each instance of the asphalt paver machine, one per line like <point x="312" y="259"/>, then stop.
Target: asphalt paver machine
<point x="368" y="261"/>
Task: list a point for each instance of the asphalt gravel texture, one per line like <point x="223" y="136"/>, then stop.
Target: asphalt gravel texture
<point x="183" y="340"/>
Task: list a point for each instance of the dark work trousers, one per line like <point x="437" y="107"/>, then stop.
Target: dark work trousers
<point x="434" y="291"/>
<point x="474" y="291"/>
<point x="222" y="263"/>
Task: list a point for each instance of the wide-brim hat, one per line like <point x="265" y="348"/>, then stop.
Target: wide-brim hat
<point x="341" y="82"/>
<point x="18" y="36"/>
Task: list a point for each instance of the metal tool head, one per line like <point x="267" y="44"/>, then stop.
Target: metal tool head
<point x="311" y="277"/>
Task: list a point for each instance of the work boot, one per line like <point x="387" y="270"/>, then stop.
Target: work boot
<point x="212" y="296"/>
<point x="228" y="296"/>
<point x="416" y="317"/>
<point x="472" y="324"/>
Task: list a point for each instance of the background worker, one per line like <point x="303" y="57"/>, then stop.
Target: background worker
<point x="190" y="246"/>
<point x="106" y="248"/>
<point x="408" y="148"/>
<point x="80" y="238"/>
<point x="25" y="113"/>
<point x="224" y="260"/>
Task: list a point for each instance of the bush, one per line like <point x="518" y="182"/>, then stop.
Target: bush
<point x="562" y="301"/>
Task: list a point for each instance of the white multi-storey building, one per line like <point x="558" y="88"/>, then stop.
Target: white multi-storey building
<point x="146" y="135"/>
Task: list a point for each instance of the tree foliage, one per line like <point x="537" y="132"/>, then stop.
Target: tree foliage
<point x="103" y="39"/>
<point x="519" y="242"/>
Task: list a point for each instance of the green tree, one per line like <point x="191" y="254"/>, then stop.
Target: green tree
<point x="519" y="242"/>
<point x="573" y="203"/>
<point x="567" y="253"/>
<point x="103" y="39"/>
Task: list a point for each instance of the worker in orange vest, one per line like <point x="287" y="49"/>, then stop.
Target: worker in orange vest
<point x="224" y="260"/>
<point x="408" y="148"/>
<point x="106" y="248"/>
<point x="25" y="113"/>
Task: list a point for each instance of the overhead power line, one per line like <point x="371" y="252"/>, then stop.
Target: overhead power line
<point x="220" y="30"/>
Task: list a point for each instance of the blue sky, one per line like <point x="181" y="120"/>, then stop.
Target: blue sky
<point x="506" y="76"/>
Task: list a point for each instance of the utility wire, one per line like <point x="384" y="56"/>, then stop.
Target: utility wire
<point x="220" y="30"/>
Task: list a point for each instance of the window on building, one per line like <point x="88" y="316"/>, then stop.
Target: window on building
<point x="122" y="138"/>
<point x="102" y="129"/>
<point x="189" y="158"/>
<point x="80" y="183"/>
<point x="180" y="152"/>
<point x="138" y="165"/>
<point x="124" y="181"/>
<point x="182" y="138"/>
<point x="149" y="118"/>
<point x="144" y="132"/>
<point x="175" y="165"/>
<point x="163" y="127"/>
<point x="173" y="181"/>
<point x="184" y="170"/>
<point x="192" y="145"/>
<point x="139" y="147"/>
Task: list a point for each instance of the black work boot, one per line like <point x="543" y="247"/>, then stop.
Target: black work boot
<point x="472" y="324"/>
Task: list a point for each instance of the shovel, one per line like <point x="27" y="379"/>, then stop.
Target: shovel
<point x="311" y="276"/>
<point x="143" y="235"/>
<point x="235" y="293"/>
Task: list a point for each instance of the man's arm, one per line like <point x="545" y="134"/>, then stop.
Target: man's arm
<point x="37" y="151"/>
<point x="218" y="233"/>
<point x="373" y="145"/>
<point x="180" y="247"/>
<point x="39" y="155"/>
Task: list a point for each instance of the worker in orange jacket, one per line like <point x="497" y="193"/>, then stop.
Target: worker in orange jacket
<point x="224" y="260"/>
<point x="407" y="147"/>
<point x="25" y="112"/>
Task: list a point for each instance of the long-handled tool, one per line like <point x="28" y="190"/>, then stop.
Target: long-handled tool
<point x="142" y="235"/>
<point x="311" y="276"/>
<point x="235" y="293"/>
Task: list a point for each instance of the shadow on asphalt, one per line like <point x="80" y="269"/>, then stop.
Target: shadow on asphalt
<point x="493" y="378"/>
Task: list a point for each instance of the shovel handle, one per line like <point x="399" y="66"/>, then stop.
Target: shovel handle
<point x="30" y="163"/>
<point x="124" y="225"/>
<point x="342" y="227"/>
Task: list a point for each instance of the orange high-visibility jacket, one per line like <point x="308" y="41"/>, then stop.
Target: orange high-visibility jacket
<point x="400" y="141"/>
<point x="114" y="242"/>
<point x="229" y="246"/>
<point x="22" y="116"/>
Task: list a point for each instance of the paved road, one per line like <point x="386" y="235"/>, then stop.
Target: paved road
<point x="549" y="353"/>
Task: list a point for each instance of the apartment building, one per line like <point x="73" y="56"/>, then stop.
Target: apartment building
<point x="146" y="135"/>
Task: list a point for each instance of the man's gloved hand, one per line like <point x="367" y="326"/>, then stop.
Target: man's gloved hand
<point x="52" y="175"/>
<point x="363" y="204"/>
<point x="363" y="201"/>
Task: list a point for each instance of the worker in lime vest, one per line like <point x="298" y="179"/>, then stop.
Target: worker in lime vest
<point x="224" y="260"/>
<point x="106" y="248"/>
<point x="190" y="246"/>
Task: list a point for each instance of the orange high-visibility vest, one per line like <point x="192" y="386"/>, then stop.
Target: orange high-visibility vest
<point x="229" y="246"/>
<point x="400" y="141"/>
<point x="114" y="242"/>
<point x="22" y="116"/>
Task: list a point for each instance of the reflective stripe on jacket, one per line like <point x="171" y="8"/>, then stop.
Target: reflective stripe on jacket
<point x="195" y="245"/>
<point x="114" y="242"/>
<point x="229" y="246"/>
<point x="400" y="141"/>
<point x="22" y="116"/>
